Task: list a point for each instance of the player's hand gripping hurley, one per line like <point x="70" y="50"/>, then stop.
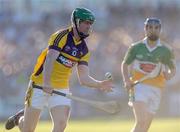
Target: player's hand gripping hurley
<point x="152" y="74"/>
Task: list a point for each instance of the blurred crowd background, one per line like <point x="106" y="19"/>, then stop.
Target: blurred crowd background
<point x="26" y="25"/>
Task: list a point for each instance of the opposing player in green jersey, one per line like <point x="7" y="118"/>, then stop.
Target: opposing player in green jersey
<point x="141" y="59"/>
<point x="66" y="49"/>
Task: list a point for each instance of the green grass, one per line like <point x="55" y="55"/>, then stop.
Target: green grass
<point x="158" y="125"/>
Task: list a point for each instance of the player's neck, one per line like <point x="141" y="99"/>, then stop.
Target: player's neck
<point x="151" y="43"/>
<point x="76" y="36"/>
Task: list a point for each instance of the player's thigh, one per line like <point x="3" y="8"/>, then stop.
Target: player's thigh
<point x="31" y="117"/>
<point x="139" y="107"/>
<point x="141" y="111"/>
<point x="59" y="107"/>
<point x="60" y="114"/>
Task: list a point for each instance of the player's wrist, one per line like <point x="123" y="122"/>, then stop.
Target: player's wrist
<point x="127" y="80"/>
<point x="98" y="84"/>
<point x="167" y="75"/>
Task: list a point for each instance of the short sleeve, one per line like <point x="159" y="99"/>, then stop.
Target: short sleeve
<point x="58" y="40"/>
<point x="169" y="59"/>
<point x="84" y="60"/>
<point x="130" y="55"/>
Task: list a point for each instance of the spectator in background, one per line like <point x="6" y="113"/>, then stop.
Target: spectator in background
<point x="67" y="48"/>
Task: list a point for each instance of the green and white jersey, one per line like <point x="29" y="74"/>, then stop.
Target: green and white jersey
<point x="144" y="59"/>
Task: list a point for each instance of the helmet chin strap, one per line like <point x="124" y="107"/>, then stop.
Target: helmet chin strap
<point x="81" y="34"/>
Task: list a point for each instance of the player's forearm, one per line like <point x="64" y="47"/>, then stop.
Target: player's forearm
<point x="90" y="82"/>
<point x="85" y="79"/>
<point x="47" y="71"/>
<point x="168" y="74"/>
<point x="48" y="66"/>
<point x="125" y="72"/>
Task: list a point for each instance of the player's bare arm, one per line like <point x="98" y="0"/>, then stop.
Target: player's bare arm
<point x="87" y="80"/>
<point x="50" y="58"/>
<point x="125" y="74"/>
<point x="169" y="73"/>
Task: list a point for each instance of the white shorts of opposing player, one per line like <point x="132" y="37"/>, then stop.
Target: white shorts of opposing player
<point x="149" y="95"/>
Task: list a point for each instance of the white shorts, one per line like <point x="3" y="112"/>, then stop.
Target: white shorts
<point x="149" y="95"/>
<point x="39" y="99"/>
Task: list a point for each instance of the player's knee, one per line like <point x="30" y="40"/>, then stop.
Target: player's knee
<point x="60" y="126"/>
<point x="141" y="121"/>
<point x="27" y="128"/>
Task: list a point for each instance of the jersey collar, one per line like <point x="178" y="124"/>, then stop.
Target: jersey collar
<point x="158" y="44"/>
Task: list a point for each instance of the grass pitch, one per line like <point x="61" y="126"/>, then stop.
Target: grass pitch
<point x="100" y="125"/>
